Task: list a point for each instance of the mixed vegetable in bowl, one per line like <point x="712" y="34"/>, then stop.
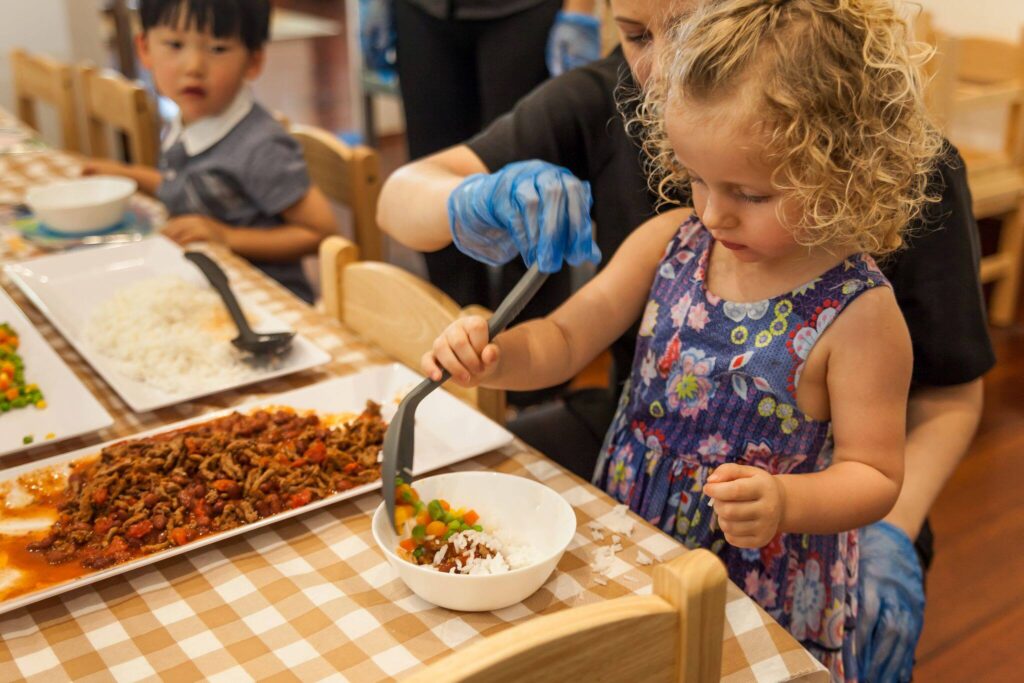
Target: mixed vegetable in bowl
<point x="437" y="536"/>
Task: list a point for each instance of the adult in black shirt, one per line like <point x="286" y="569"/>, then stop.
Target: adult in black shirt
<point x="574" y="121"/>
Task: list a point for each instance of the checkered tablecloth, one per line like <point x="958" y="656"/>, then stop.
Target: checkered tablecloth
<point x="312" y="597"/>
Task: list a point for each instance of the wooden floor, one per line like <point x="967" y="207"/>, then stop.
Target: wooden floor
<point x="974" y="622"/>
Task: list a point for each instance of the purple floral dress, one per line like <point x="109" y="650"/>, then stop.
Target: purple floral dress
<point x="715" y="381"/>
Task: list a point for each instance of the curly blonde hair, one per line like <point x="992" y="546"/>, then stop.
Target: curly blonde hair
<point x="841" y="109"/>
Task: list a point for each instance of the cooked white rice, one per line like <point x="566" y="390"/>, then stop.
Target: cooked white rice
<point x="170" y="334"/>
<point x="507" y="555"/>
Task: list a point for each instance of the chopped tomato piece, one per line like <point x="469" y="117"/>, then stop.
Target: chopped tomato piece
<point x="140" y="529"/>
<point x="316" y="452"/>
<point x="301" y="498"/>
<point x="179" y="535"/>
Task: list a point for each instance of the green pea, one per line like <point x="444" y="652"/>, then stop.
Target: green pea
<point x="454" y="525"/>
<point x="435" y="510"/>
<point x="448" y="534"/>
<point x="418" y="552"/>
<point x="419" y="532"/>
<point x="477" y="527"/>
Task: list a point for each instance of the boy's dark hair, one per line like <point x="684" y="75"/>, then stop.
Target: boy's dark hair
<point x="247" y="20"/>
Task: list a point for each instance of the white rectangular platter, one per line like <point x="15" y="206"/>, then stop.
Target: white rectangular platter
<point x="447" y="431"/>
<point x="68" y="287"/>
<point x="70" y="409"/>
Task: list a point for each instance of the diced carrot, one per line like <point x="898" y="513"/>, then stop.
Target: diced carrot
<point x="179" y="535"/>
<point x="436" y="528"/>
<point x="99" y="496"/>
<point x="12" y="393"/>
<point x="223" y="485"/>
<point x="470" y="517"/>
<point x="350" y="468"/>
<point x="424" y="517"/>
<point x="408" y="544"/>
<point x="403" y="513"/>
<point x="444" y="505"/>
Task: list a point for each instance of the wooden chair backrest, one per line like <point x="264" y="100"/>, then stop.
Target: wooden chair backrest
<point x="395" y="310"/>
<point x="672" y="636"/>
<point x="41" y="78"/>
<point x="349" y="176"/>
<point x="112" y="100"/>
<point x="984" y="74"/>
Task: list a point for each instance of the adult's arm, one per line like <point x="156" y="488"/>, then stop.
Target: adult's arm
<point x="940" y="425"/>
<point x="413" y="204"/>
<point x="557" y="122"/>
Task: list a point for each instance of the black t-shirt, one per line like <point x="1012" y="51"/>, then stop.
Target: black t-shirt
<point x="574" y="121"/>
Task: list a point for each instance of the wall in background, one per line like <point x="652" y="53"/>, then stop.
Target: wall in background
<point x="994" y="18"/>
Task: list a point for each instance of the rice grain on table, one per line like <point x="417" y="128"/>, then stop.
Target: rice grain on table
<point x="170" y="334"/>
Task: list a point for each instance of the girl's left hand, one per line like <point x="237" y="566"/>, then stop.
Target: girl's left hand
<point x="748" y="502"/>
<point x="194" y="227"/>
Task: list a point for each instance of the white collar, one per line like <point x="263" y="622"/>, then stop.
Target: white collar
<point x="201" y="135"/>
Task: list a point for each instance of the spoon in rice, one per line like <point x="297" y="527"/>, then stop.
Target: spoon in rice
<point x="257" y="343"/>
<point x="399" y="439"/>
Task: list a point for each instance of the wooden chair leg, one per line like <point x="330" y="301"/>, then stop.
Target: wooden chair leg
<point x="1003" y="306"/>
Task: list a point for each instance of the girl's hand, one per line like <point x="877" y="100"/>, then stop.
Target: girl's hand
<point x="749" y="503"/>
<point x="195" y="228"/>
<point x="465" y="351"/>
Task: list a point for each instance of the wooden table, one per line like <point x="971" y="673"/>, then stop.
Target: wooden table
<point x="311" y="597"/>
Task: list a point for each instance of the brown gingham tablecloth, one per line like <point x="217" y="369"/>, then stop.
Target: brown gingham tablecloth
<point x="312" y="598"/>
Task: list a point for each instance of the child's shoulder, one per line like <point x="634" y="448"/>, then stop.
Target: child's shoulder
<point x="258" y="129"/>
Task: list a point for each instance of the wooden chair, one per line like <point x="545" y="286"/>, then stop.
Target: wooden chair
<point x="987" y="76"/>
<point x="41" y="78"/>
<point x="395" y="310"/>
<point x="349" y="176"/>
<point x="673" y="635"/>
<point x="111" y="100"/>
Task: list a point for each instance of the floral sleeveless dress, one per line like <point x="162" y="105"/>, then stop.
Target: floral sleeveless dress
<point x="715" y="381"/>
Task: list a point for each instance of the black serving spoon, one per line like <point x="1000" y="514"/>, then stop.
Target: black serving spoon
<point x="399" y="439"/>
<point x="258" y="343"/>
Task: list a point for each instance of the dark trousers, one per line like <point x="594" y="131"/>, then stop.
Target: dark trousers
<point x="456" y="77"/>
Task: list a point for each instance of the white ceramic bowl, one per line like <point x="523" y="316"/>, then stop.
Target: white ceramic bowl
<point x="82" y="205"/>
<point x="525" y="511"/>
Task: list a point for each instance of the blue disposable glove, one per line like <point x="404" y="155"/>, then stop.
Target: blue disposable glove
<point x="531" y="208"/>
<point x="575" y="40"/>
<point x="377" y="34"/>
<point x="891" y="604"/>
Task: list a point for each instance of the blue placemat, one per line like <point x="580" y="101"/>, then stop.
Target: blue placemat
<point x="134" y="221"/>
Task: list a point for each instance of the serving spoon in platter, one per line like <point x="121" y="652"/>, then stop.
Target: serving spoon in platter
<point x="399" y="439"/>
<point x="260" y="344"/>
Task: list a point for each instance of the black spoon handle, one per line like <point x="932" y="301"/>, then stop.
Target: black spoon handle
<point x="219" y="280"/>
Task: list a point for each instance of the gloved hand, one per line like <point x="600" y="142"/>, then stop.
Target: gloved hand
<point x="891" y="604"/>
<point x="532" y="208"/>
<point x="575" y="40"/>
<point x="377" y="34"/>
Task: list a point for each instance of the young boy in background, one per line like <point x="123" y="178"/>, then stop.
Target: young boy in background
<point x="228" y="172"/>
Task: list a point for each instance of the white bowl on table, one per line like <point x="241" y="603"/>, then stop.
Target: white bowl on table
<point x="527" y="512"/>
<point x="81" y="205"/>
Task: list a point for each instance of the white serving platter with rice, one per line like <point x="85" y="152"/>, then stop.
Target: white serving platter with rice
<point x="447" y="431"/>
<point x="150" y="324"/>
<point x="71" y="410"/>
